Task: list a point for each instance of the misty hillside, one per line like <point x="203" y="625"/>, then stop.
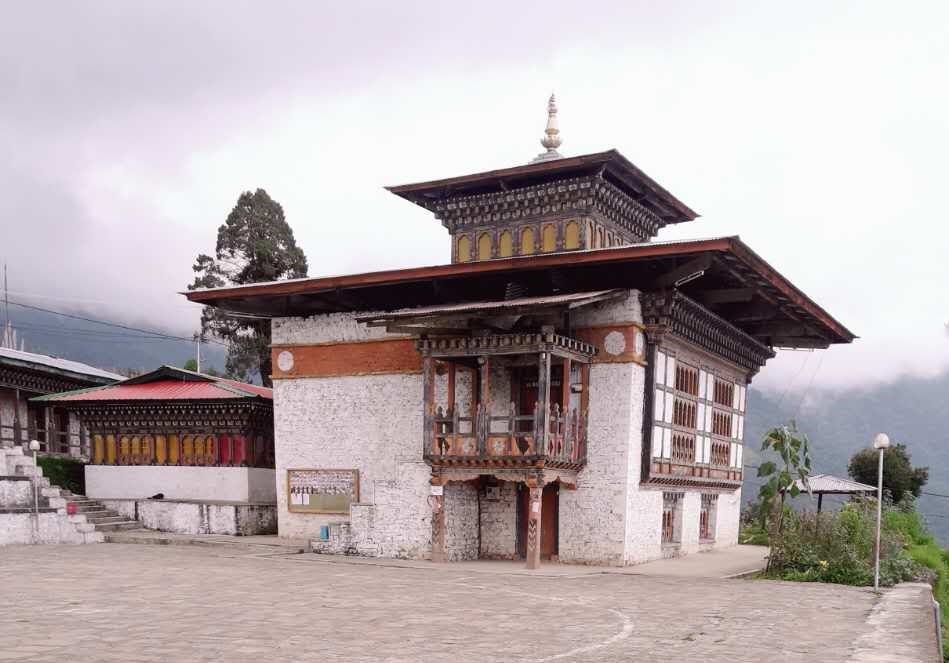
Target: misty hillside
<point x="109" y="348"/>
<point x="913" y="411"/>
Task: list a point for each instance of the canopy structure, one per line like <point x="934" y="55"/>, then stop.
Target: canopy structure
<point x="826" y="484"/>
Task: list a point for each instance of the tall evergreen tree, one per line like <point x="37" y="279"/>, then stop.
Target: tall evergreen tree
<point x="254" y="245"/>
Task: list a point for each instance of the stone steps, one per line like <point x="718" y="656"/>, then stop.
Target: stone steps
<point x="19" y="474"/>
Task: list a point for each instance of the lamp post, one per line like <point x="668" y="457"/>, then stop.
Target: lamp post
<point x="881" y="442"/>
<point x="35" y="447"/>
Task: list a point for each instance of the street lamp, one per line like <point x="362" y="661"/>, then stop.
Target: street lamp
<point x="881" y="442"/>
<point x="34" y="447"/>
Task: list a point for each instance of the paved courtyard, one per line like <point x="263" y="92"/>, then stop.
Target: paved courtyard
<point x="130" y="603"/>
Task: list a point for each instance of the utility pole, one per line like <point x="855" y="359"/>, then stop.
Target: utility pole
<point x="197" y="351"/>
<point x="6" y="311"/>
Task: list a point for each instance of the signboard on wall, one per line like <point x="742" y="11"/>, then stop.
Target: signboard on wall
<point x="322" y="491"/>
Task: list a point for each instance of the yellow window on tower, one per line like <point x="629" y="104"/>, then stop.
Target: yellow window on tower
<point x="590" y="235"/>
<point x="571" y="236"/>
<point x="505" y="245"/>
<point x="527" y="241"/>
<point x="484" y="246"/>
<point x="464" y="249"/>
<point x="549" y="238"/>
<point x="599" y="239"/>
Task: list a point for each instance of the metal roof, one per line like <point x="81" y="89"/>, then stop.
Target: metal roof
<point x="826" y="483"/>
<point x="167" y="383"/>
<point x="58" y="365"/>
<point x="723" y="274"/>
<point x="572" y="300"/>
<point x="610" y="164"/>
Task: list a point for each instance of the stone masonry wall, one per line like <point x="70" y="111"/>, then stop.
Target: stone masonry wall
<point x="369" y="423"/>
<point x="593" y="517"/>
<point x="499" y="524"/>
<point x="461" y="522"/>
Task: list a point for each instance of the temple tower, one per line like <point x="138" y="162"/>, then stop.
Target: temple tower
<point x="554" y="203"/>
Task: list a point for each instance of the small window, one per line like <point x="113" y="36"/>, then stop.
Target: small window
<point x="687" y="379"/>
<point x="527" y="241"/>
<point x="549" y="238"/>
<point x="464" y="249"/>
<point x="671" y="518"/>
<point x="485" y="247"/>
<point x="505" y="245"/>
<point x="571" y="239"/>
<point x="707" y="517"/>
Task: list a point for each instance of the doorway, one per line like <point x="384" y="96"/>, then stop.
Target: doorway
<point x="549" y="520"/>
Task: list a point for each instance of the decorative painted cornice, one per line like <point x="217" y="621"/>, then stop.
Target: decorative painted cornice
<point x="472" y="346"/>
<point x="36" y="383"/>
<point x="671" y="312"/>
<point x="579" y="195"/>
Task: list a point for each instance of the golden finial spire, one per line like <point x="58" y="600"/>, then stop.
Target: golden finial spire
<point x="551" y="139"/>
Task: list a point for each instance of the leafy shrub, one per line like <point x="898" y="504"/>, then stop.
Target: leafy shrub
<point x="838" y="548"/>
<point x="64" y="472"/>
<point x="753" y="534"/>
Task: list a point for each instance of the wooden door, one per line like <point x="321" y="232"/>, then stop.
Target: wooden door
<point x="549" y="520"/>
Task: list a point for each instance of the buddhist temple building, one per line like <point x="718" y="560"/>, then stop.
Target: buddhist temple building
<point x="202" y="446"/>
<point x="24" y="375"/>
<point x="564" y="388"/>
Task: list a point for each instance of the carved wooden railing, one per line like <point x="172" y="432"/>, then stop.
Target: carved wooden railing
<point x="510" y="435"/>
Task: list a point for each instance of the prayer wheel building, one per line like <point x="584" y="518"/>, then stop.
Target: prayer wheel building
<point x="565" y="388"/>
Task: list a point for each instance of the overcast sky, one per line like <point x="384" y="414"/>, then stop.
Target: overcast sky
<point x="818" y="132"/>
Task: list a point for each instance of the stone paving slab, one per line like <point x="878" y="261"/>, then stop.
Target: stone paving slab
<point x="188" y="603"/>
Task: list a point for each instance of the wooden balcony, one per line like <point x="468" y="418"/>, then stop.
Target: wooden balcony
<point x="508" y="441"/>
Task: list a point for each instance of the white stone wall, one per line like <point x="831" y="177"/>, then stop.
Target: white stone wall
<point x="197" y="517"/>
<point x="369" y="423"/>
<point x="727" y="519"/>
<point x="461" y="522"/>
<point x="50" y="528"/>
<point x="231" y="484"/>
<point x="593" y="517"/>
<point x="613" y="312"/>
<point x="499" y="524"/>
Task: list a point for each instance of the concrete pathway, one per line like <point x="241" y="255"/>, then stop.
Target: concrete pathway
<point x="193" y="603"/>
<point x="730" y="562"/>
<point x="725" y="563"/>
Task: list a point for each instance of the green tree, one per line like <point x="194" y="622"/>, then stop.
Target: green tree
<point x="191" y="365"/>
<point x="899" y="475"/>
<point x="794" y="453"/>
<point x="254" y="245"/>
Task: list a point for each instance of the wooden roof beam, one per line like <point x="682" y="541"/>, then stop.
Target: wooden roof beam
<point x="693" y="268"/>
<point x="728" y="296"/>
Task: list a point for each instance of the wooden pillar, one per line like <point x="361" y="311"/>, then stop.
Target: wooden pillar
<point x="543" y="402"/>
<point x="534" y="506"/>
<point x="484" y="399"/>
<point x="437" y="501"/>
<point x="451" y="388"/>
<point x="565" y="387"/>
<point x="820" y="501"/>
<point x="428" y="404"/>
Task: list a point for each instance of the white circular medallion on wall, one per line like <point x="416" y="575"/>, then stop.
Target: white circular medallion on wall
<point x="614" y="343"/>
<point x="639" y="342"/>
<point x="285" y="361"/>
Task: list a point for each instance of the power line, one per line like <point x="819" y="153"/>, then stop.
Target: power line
<point x="114" y="324"/>
<point x="923" y="492"/>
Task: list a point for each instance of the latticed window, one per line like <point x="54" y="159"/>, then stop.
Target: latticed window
<point x="707" y="517"/>
<point x="683" y="447"/>
<point x="698" y="415"/>
<point x="724" y="393"/>
<point x="671" y="505"/>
